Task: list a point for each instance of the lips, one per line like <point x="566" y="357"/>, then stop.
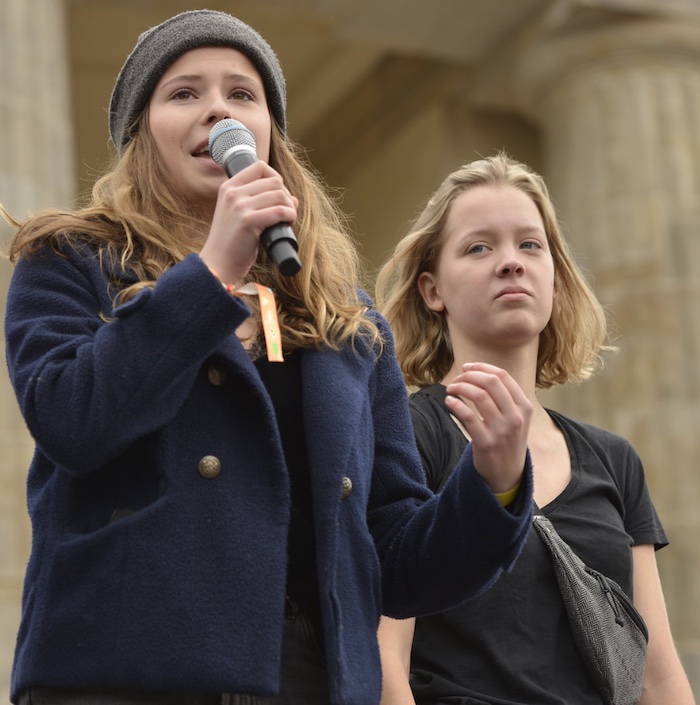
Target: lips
<point x="513" y="291"/>
<point x="202" y="150"/>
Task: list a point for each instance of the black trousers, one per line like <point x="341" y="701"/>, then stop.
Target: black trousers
<point x="303" y="680"/>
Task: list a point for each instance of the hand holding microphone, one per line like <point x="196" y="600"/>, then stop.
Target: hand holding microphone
<point x="232" y="146"/>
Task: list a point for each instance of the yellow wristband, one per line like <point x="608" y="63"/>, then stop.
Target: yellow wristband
<point x="505" y="498"/>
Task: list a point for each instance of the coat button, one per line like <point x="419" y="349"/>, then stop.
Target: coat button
<point x="209" y="467"/>
<point x="347" y="488"/>
<point x="216" y="375"/>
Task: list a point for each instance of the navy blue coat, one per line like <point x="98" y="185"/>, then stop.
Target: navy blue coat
<point x="155" y="407"/>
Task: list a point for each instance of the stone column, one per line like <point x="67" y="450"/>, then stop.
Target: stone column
<point x="619" y="109"/>
<point x="36" y="171"/>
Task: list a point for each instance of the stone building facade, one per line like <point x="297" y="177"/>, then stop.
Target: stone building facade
<point x="601" y="96"/>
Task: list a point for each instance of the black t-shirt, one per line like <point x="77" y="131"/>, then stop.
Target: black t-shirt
<point x="284" y="385"/>
<point x="512" y="645"/>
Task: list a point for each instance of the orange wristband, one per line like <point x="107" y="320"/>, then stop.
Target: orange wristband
<point x="268" y="314"/>
<point x="230" y="288"/>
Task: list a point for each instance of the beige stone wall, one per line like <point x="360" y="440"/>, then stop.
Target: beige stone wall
<point x="35" y="172"/>
<point x="623" y="154"/>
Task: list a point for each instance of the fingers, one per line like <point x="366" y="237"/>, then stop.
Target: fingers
<point x="249" y="202"/>
<point x="496" y="414"/>
<point x="491" y="394"/>
<point x="259" y="197"/>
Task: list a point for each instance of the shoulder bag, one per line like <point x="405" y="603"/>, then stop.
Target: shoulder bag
<point x="608" y="630"/>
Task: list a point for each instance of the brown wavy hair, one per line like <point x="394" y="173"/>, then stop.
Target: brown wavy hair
<point x="570" y="344"/>
<point x="138" y="222"/>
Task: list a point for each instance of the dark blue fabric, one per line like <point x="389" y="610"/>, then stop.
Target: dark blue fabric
<point x="302" y="680"/>
<point x="186" y="592"/>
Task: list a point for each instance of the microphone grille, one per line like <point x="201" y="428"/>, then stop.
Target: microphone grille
<point x="226" y="134"/>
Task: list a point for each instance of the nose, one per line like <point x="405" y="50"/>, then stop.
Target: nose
<point x="511" y="264"/>
<point x="218" y="108"/>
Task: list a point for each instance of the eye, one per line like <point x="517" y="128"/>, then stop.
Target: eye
<point x="531" y="245"/>
<point x="476" y="249"/>
<point x="242" y="94"/>
<point x="183" y="94"/>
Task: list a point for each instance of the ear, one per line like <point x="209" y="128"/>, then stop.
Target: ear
<point x="427" y="286"/>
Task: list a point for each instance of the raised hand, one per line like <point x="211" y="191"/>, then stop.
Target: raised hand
<point x="247" y="203"/>
<point x="496" y="414"/>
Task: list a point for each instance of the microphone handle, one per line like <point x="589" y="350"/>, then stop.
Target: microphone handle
<point x="281" y="247"/>
<point x="279" y="240"/>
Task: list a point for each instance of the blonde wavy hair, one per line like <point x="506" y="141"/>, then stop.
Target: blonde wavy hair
<point x="139" y="223"/>
<point x="571" y="343"/>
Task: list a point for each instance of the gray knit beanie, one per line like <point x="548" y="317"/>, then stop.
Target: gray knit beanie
<point x="158" y="47"/>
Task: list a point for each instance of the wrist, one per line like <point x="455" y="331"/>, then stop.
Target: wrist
<point x="508" y="497"/>
<point x="230" y="288"/>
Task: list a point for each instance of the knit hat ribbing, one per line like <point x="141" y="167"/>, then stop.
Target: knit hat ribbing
<point x="158" y="47"/>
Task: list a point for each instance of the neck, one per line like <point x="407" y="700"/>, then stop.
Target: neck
<point x="520" y="363"/>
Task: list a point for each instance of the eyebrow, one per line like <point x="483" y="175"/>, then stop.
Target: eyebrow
<point x="540" y="230"/>
<point x="235" y="77"/>
<point x="485" y="232"/>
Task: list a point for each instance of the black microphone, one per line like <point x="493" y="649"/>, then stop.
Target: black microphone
<point x="232" y="146"/>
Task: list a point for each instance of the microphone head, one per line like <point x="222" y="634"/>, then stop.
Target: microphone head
<point x="227" y="134"/>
